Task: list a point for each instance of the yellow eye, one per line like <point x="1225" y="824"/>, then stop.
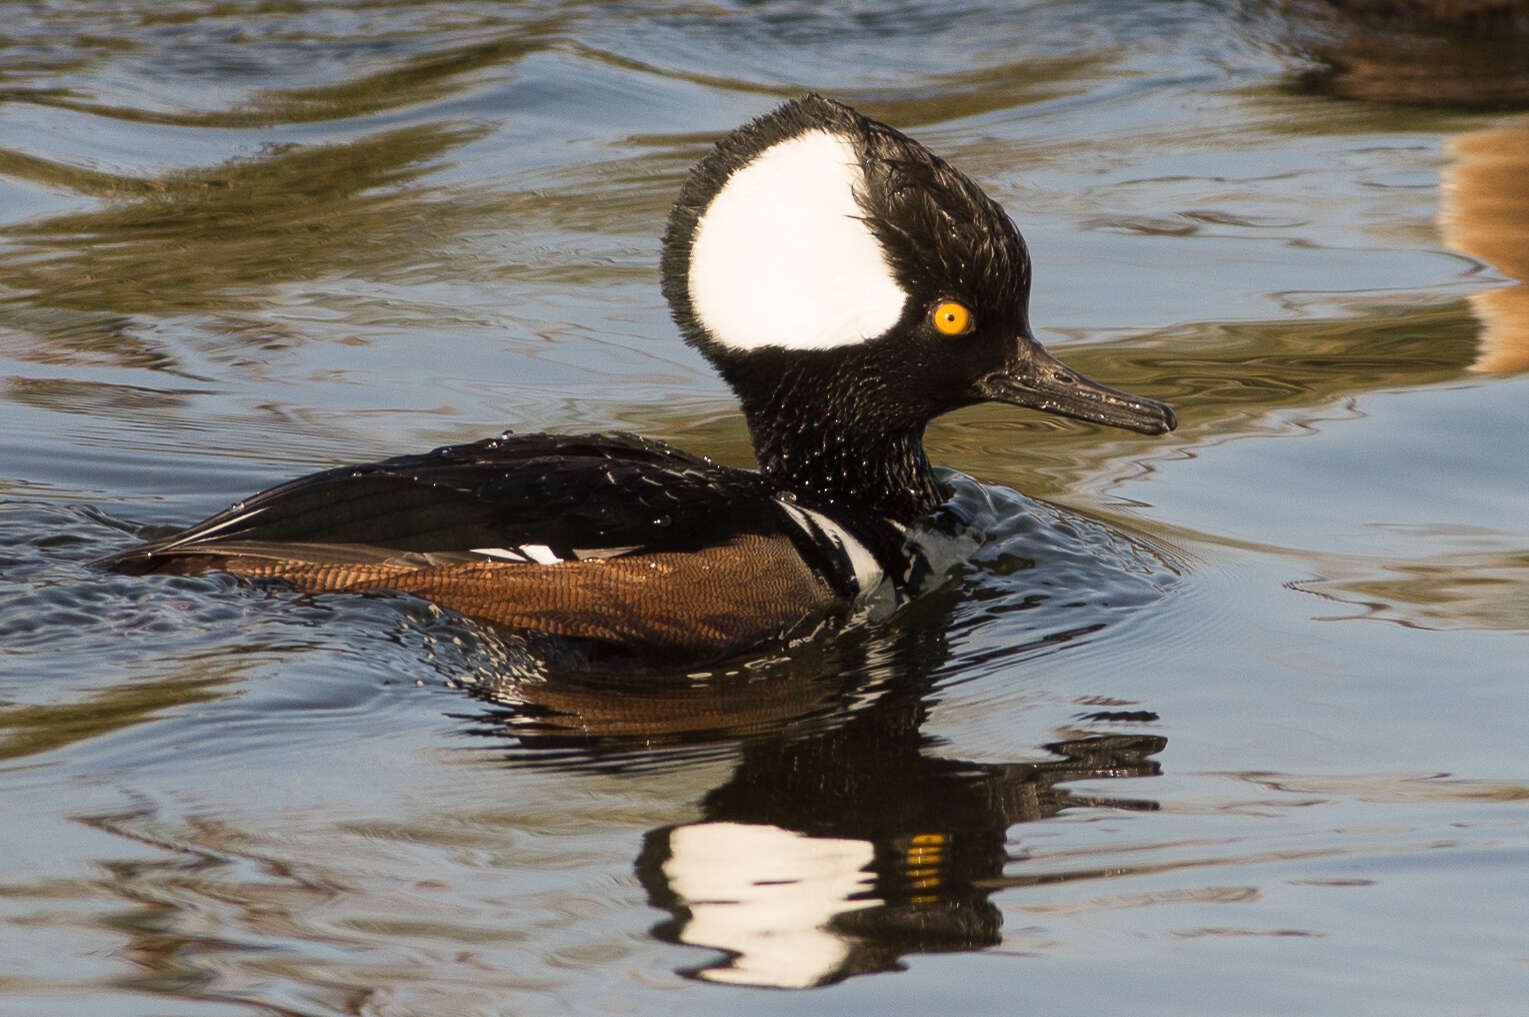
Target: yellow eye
<point x="951" y="318"/>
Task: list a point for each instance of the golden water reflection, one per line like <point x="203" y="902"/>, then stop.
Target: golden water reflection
<point x="1467" y="591"/>
<point x="28" y="730"/>
<point x="1484" y="213"/>
<point x="218" y="238"/>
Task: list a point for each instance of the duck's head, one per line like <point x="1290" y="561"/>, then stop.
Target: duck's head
<point x="850" y="286"/>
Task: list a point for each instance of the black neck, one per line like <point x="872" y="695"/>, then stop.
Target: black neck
<point x="833" y="441"/>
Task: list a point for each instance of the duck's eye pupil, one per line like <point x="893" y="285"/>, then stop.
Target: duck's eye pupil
<point x="951" y="318"/>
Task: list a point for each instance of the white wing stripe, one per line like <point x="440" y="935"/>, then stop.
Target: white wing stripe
<point x="540" y="553"/>
<point x="504" y="553"/>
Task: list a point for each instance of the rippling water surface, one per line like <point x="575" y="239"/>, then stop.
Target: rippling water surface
<point x="1230" y="721"/>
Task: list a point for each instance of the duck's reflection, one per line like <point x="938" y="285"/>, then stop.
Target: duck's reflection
<point x="842" y="839"/>
<point x="835" y="855"/>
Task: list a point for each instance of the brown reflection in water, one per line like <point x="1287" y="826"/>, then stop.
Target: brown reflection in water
<point x="28" y="730"/>
<point x="1484" y="213"/>
<point x="599" y="716"/>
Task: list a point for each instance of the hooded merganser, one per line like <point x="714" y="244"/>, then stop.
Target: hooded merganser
<point x="849" y="286"/>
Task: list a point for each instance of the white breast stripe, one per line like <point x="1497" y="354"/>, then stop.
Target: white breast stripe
<point x="867" y="571"/>
<point x="782" y="255"/>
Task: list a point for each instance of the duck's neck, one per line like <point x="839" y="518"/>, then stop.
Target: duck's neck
<point x="832" y="440"/>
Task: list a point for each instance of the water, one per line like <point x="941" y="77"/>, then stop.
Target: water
<point x="1226" y="721"/>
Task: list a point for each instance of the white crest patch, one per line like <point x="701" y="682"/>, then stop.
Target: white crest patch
<point x="783" y="258"/>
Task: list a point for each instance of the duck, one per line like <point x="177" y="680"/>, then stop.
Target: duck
<point x="849" y="286"/>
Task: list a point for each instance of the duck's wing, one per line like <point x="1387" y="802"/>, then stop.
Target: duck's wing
<point x="531" y="498"/>
<point x="609" y="537"/>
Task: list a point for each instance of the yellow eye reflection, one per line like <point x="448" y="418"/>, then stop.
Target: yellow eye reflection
<point x="950" y="317"/>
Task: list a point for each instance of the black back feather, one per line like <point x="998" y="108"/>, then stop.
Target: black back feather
<point x="566" y="492"/>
